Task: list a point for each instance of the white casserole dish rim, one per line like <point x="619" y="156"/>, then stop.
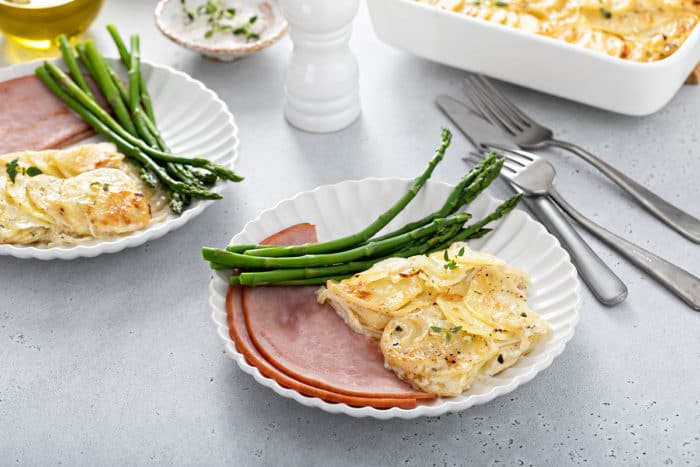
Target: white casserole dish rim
<point x="667" y="62"/>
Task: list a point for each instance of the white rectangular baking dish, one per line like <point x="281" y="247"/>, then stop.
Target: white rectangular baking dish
<point x="538" y="62"/>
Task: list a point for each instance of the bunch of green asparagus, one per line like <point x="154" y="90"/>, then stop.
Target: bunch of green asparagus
<point x="133" y="128"/>
<point x="315" y="263"/>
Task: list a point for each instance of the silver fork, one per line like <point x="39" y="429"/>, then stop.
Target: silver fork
<point x="528" y="134"/>
<point x="535" y="177"/>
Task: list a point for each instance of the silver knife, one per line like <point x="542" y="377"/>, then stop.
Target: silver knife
<point x="601" y="280"/>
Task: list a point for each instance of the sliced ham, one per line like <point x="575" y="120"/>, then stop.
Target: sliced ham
<point x="239" y="335"/>
<point x="33" y="119"/>
<point x="310" y="343"/>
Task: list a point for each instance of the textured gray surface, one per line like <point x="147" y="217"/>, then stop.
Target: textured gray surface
<point x="114" y="360"/>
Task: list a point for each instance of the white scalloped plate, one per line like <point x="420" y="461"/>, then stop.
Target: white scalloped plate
<point x="191" y="118"/>
<point x="349" y="206"/>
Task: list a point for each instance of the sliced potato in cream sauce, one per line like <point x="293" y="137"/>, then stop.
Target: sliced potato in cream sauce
<point x="443" y="320"/>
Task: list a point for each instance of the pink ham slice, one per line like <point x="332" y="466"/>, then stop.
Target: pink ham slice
<point x="312" y="344"/>
<point x="239" y="335"/>
<point x="33" y="119"/>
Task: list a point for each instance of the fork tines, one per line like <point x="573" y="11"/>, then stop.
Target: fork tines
<point x="495" y="106"/>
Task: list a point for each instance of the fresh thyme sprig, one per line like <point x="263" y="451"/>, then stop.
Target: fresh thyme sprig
<point x="13" y="168"/>
<point x="450" y="263"/>
<point x="447" y="331"/>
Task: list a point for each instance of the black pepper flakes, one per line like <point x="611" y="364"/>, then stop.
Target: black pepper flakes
<point x="500" y="358"/>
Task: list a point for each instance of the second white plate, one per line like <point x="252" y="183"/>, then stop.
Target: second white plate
<point x="347" y="207"/>
<point x="193" y="121"/>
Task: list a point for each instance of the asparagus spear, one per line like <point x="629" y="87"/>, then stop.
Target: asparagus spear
<point x="492" y="164"/>
<point x="416" y="248"/>
<point x="482" y="181"/>
<point x="322" y="274"/>
<point x="109" y="90"/>
<point x="126" y="60"/>
<point x="115" y="130"/>
<point x="310" y="281"/>
<point x="503" y="209"/>
<point x="147" y="176"/>
<point x="364" y="235"/>
<point x="134" y="75"/>
<point x="73" y="67"/>
<point x="243" y="247"/>
<point x="145" y="127"/>
<point x="455" y="200"/>
<point x="80" y="48"/>
<point x="129" y="149"/>
<point x="235" y="260"/>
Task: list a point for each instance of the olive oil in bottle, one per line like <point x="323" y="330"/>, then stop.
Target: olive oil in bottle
<point x="36" y="23"/>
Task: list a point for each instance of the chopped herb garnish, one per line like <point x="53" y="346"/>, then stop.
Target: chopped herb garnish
<point x="606" y="13"/>
<point x="12" y="169"/>
<point x="500" y="3"/>
<point x="448" y="332"/>
<point x="450" y="263"/>
<point x="245" y="31"/>
<point x="461" y="252"/>
<point x="215" y="13"/>
<point x="105" y="187"/>
<point x="33" y="171"/>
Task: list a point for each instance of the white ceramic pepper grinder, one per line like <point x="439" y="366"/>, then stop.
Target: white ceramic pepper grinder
<point x="322" y="83"/>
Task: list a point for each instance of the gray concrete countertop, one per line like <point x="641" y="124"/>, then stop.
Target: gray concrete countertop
<point x="114" y="360"/>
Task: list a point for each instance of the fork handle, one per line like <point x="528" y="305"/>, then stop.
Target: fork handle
<point x="680" y="221"/>
<point x="677" y="280"/>
<point x="601" y="280"/>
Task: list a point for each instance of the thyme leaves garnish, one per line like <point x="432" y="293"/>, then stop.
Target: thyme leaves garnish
<point x="447" y="331"/>
<point x="13" y="169"/>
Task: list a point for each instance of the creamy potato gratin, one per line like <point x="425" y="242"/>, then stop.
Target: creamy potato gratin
<point x="442" y="320"/>
<point x="62" y="197"/>
<point x="639" y="30"/>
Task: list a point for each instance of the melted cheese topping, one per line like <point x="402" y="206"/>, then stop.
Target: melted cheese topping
<point x="639" y="30"/>
<point x="82" y="193"/>
<point x="441" y="323"/>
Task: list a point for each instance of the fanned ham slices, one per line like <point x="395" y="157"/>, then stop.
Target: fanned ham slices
<point x="32" y="118"/>
<point x="305" y="346"/>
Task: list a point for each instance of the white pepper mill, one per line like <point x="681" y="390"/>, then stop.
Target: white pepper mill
<point x="322" y="83"/>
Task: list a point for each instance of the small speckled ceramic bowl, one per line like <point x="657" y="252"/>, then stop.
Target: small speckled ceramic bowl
<point x="270" y="25"/>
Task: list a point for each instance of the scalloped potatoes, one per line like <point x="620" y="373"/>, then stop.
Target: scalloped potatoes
<point x="443" y="320"/>
<point x="65" y="196"/>
<point x="639" y="30"/>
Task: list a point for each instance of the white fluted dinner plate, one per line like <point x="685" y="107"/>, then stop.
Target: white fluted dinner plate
<point x="347" y="207"/>
<point x="193" y="122"/>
